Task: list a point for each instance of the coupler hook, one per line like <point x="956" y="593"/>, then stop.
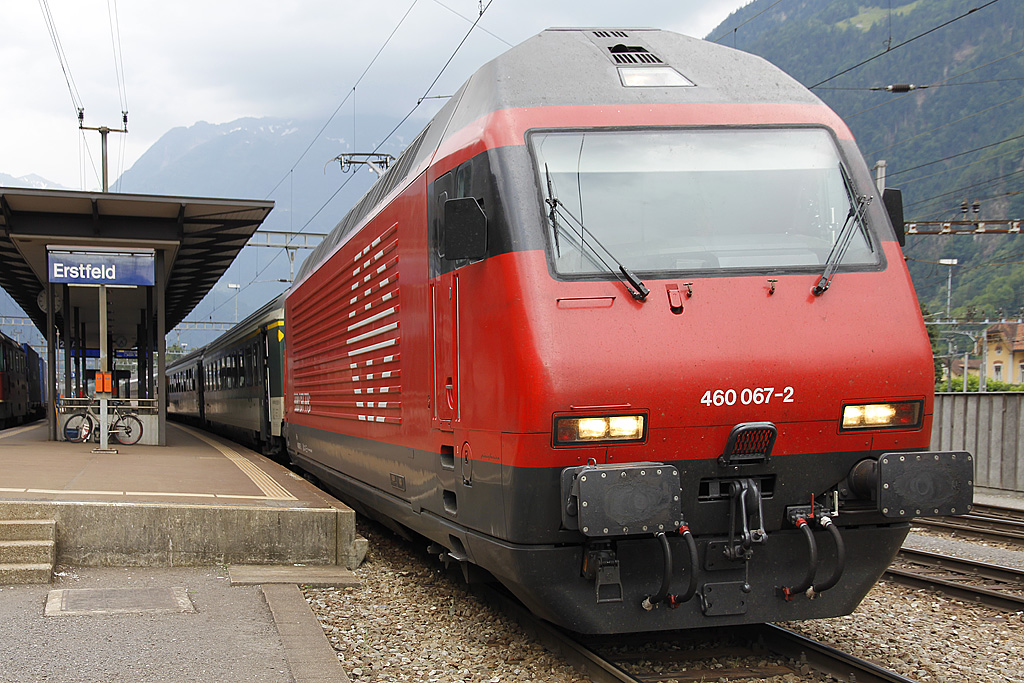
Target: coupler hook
<point x="745" y="511"/>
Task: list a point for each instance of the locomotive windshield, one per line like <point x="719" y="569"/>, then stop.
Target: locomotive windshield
<point x="684" y="200"/>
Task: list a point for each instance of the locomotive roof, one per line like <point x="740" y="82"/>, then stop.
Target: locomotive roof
<point x="582" y="66"/>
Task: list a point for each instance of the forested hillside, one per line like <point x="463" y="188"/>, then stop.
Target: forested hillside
<point x="960" y="138"/>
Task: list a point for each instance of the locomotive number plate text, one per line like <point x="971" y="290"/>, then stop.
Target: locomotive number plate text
<point x="747" y="396"/>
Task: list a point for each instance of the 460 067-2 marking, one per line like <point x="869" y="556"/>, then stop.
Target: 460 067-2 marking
<point x="746" y="396"/>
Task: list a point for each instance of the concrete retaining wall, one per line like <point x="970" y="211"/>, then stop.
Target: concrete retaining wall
<point x="990" y="426"/>
<point x="139" y="534"/>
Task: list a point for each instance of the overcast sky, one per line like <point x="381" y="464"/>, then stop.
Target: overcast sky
<point x="219" y="60"/>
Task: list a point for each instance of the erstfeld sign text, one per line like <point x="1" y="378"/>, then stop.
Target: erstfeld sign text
<point x="65" y="273"/>
<point x="101" y="268"/>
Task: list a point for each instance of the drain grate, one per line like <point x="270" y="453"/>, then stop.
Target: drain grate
<point x="98" y="601"/>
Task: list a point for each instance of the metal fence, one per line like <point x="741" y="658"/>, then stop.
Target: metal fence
<point x="988" y="425"/>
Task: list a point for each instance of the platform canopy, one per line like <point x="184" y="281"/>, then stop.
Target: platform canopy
<point x="197" y="237"/>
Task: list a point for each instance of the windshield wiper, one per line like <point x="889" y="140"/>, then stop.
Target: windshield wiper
<point x="633" y="284"/>
<point x="854" y="218"/>
<point x="553" y="203"/>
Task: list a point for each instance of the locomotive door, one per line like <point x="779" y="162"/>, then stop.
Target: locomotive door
<point x="444" y="305"/>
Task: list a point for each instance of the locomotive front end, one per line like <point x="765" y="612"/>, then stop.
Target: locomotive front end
<point x="737" y="380"/>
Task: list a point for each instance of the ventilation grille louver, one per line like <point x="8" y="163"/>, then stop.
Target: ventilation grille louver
<point x="633" y="54"/>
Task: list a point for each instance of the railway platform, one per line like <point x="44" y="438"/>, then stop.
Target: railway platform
<point x="172" y="563"/>
<point x="999" y="498"/>
<point x="200" y="500"/>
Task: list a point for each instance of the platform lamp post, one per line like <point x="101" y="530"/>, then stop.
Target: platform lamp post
<point x="236" y="287"/>
<point x="949" y="299"/>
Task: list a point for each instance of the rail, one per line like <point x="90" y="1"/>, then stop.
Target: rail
<point x="965" y="579"/>
<point x="983" y="527"/>
<point x="779" y="641"/>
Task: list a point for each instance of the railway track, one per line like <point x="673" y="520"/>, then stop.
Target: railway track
<point x="749" y="653"/>
<point x="987" y="523"/>
<point x="969" y="580"/>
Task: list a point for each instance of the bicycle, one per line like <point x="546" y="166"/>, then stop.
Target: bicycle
<point x="125" y="425"/>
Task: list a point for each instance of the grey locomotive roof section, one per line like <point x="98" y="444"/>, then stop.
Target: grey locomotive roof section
<point x="576" y="67"/>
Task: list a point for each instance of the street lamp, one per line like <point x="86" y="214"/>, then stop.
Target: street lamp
<point x="949" y="282"/>
<point x="235" y="287"/>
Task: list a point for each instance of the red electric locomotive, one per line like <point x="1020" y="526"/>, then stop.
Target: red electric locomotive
<point x="628" y="327"/>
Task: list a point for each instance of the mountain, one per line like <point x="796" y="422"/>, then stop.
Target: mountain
<point x="960" y="138"/>
<point x="31" y="181"/>
<point x="288" y="161"/>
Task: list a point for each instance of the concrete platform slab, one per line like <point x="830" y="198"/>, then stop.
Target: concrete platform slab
<point x="310" y="656"/>
<point x="230" y="638"/>
<point x="199" y="500"/>
<point x="98" y="601"/>
<point x="318" y="576"/>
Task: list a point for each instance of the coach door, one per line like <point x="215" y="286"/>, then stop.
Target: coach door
<point x="444" y="298"/>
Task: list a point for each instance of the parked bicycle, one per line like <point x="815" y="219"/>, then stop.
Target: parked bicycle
<point x="124" y="425"/>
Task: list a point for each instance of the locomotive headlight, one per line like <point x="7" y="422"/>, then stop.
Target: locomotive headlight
<point x="596" y="429"/>
<point x="626" y="427"/>
<point x="892" y="415"/>
<point x="591" y="428"/>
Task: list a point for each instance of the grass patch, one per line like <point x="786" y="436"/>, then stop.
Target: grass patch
<point x="869" y="16"/>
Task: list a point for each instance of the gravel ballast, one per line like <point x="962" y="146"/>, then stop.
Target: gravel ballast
<point x="411" y="621"/>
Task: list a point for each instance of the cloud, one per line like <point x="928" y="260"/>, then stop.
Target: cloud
<point x="190" y="61"/>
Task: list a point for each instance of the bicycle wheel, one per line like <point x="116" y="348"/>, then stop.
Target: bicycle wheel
<point x="128" y="429"/>
<point x="78" y="427"/>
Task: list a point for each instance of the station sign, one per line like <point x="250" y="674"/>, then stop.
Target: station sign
<point x="100" y="266"/>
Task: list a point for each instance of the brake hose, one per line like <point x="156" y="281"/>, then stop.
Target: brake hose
<point x="650" y="602"/>
<point x="829" y="526"/>
<point x="788" y="593"/>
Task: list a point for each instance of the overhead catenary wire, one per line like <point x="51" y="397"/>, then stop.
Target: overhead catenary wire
<point x="889" y="101"/>
<point x="905" y="42"/>
<point x="953" y="156"/>
<point x="51" y="27"/>
<point x="387" y="137"/>
<point x="122" y="90"/>
<point x="465" y="18"/>
<point x="737" y="28"/>
<point x="345" y="99"/>
<point x="961" y="190"/>
<point x="115" y="39"/>
<point x="878" y="151"/>
<point x="910" y="87"/>
<point x="957" y="168"/>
